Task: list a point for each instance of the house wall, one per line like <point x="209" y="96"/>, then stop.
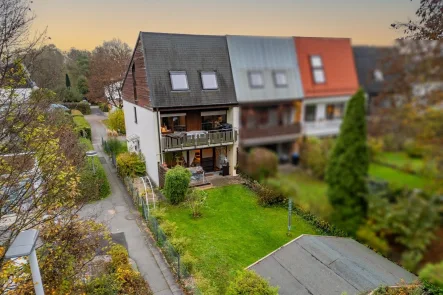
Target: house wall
<point x="147" y="130"/>
<point x="142" y="88"/>
<point x="265" y="54"/>
<point x="338" y="64"/>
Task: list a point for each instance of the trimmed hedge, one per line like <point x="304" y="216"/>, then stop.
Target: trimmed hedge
<point x="82" y="127"/>
<point x="76" y="113"/>
<point x="96" y="186"/>
<point x="176" y="184"/>
<point x="81" y="106"/>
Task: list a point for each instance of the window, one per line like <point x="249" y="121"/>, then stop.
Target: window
<point x="213" y="120"/>
<point x="378" y="76"/>
<point x="335" y="111"/>
<point x="280" y="79"/>
<point x="256" y="79"/>
<point x="134" y="83"/>
<point x="173" y="123"/>
<point x="318" y="71"/>
<point x="310" y="113"/>
<point x="135" y="115"/>
<point x="179" y="81"/>
<point x="209" y="80"/>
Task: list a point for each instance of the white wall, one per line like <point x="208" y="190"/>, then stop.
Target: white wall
<point x="147" y="130"/>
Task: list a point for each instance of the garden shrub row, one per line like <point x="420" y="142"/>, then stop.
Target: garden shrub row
<point x="82" y="127"/>
<point x="93" y="186"/>
<point x="81" y="106"/>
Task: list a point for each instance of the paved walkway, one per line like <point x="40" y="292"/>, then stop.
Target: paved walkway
<point x="119" y="215"/>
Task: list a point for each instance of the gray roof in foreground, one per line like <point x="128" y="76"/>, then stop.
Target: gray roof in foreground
<point x="328" y="265"/>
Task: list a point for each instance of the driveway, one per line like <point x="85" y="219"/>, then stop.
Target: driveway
<point x="119" y="215"/>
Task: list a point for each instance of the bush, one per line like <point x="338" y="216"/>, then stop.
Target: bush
<point x="433" y="273"/>
<point x="248" y="282"/>
<point x="69" y="94"/>
<point x="180" y="244"/>
<point x="366" y="235"/>
<point x="414" y="149"/>
<point x="131" y="164"/>
<point x="314" y="155"/>
<point x="176" y="184"/>
<point x="375" y="146"/>
<point x="188" y="261"/>
<point x="393" y="142"/>
<point x="269" y="195"/>
<point x="82" y="127"/>
<point x="196" y="200"/>
<point x="261" y="163"/>
<point x="96" y="186"/>
<point x="104" y="107"/>
<point x="81" y="106"/>
<point x="116" y="121"/>
<point x="115" y="147"/>
<point x="106" y="284"/>
<point x="75" y="113"/>
<point x="168" y="227"/>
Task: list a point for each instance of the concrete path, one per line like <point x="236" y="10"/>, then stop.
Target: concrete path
<point x="120" y="216"/>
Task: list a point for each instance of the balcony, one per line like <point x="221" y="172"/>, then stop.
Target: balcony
<point x="322" y="128"/>
<point x="270" y="135"/>
<point x="197" y="139"/>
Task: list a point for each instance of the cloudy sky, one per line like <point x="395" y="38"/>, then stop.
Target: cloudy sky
<point x="86" y="23"/>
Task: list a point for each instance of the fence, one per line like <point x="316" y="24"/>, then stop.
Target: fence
<point x="168" y="250"/>
<point x="107" y="151"/>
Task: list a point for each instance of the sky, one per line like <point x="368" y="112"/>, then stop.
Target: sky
<point x="85" y="24"/>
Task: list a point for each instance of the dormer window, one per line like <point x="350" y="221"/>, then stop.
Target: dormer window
<point x="378" y="76"/>
<point x="179" y="80"/>
<point x="209" y="80"/>
<point x="256" y="79"/>
<point x="318" y="71"/>
<point x="280" y="79"/>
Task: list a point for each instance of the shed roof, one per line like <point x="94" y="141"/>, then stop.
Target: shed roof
<point x="328" y="265"/>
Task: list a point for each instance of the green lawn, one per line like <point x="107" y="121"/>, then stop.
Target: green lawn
<point x="398" y="178"/>
<point x="308" y="192"/>
<point x="401" y="160"/>
<point x="233" y="232"/>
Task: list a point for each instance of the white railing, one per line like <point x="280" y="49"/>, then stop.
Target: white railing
<point x="319" y="128"/>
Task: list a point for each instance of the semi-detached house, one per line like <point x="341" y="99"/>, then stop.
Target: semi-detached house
<point x="180" y="104"/>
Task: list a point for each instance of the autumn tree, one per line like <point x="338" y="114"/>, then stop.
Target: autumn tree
<point x="108" y="66"/>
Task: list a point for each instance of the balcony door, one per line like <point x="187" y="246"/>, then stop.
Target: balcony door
<point x="207" y="159"/>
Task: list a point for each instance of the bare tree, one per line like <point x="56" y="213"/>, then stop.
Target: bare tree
<point x="108" y="66"/>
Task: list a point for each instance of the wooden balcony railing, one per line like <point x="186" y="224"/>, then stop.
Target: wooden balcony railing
<point x="263" y="132"/>
<point x="194" y="139"/>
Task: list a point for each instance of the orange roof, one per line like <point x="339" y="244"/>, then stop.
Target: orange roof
<point x="338" y="64"/>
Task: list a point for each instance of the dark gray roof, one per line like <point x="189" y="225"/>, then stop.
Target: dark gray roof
<point x="193" y="54"/>
<point x="367" y="60"/>
<point x="328" y="265"/>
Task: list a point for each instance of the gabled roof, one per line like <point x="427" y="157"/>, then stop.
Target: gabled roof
<point x="191" y="53"/>
<point x="328" y="265"/>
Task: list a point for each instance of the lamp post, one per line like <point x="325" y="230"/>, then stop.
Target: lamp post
<point x="24" y="245"/>
<point x="92" y="154"/>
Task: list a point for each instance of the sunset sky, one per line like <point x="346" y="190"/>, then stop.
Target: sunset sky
<point x="87" y="23"/>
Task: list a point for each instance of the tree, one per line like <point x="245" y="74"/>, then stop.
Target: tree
<point x="347" y="168"/>
<point x="108" y="66"/>
<point x="67" y="81"/>
<point x="82" y="85"/>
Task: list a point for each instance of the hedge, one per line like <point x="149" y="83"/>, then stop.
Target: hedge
<point x="93" y="186"/>
<point x="76" y="113"/>
<point x="81" y="106"/>
<point x="176" y="184"/>
<point x="131" y="164"/>
<point x="82" y="127"/>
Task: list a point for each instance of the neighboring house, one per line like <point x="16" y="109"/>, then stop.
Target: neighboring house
<point x="269" y="91"/>
<point x="329" y="80"/>
<point x="180" y="104"/>
<point x="328" y="265"/>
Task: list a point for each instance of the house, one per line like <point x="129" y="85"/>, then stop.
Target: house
<point x="329" y="80"/>
<point x="180" y="104"/>
<point x="328" y="265"/>
<point x="269" y="91"/>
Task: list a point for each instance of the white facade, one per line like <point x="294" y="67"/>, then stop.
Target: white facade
<point x="320" y="125"/>
<point x="147" y="130"/>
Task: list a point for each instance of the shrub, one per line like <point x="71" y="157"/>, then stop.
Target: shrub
<point x="375" y="146"/>
<point x="188" y="261"/>
<point x="268" y="196"/>
<point x="81" y="106"/>
<point x="168" y="227"/>
<point x="106" y="284"/>
<point x="180" y="244"/>
<point x="176" y="184"/>
<point x="414" y="149"/>
<point x="347" y="168"/>
<point x="196" y="200"/>
<point x="104" y="107"/>
<point x="248" y="282"/>
<point x="433" y="273"/>
<point x="113" y="146"/>
<point x="75" y="113"/>
<point x="393" y="142"/>
<point x="69" y="94"/>
<point x="366" y="235"/>
<point x="314" y="155"/>
<point x="261" y="164"/>
<point x="82" y="127"/>
<point x="116" y="121"/>
<point x="131" y="164"/>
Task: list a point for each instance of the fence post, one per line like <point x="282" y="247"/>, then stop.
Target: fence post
<point x="178" y="263"/>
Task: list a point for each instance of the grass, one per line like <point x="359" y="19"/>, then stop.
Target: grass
<point x="307" y="191"/>
<point x="233" y="232"/>
<point x="401" y="160"/>
<point x="398" y="178"/>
